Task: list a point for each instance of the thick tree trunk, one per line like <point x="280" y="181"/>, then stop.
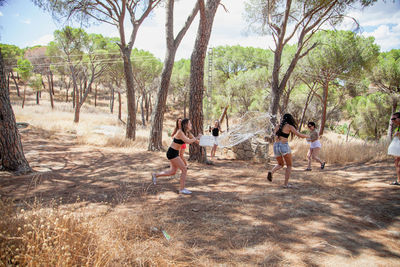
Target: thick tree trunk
<point x="130" y="95"/>
<point x="207" y="14"/>
<point x="11" y="151"/>
<point x="155" y="140"/>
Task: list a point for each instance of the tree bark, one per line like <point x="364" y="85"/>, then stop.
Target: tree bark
<point x="11" y="150"/>
<point x="207" y="14"/>
<point x="15" y="82"/>
<point x="130" y="94"/>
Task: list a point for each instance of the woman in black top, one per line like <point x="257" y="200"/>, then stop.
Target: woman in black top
<point x="181" y="137"/>
<point x="282" y="150"/>
<point x="396" y="122"/>
<point x="215" y="132"/>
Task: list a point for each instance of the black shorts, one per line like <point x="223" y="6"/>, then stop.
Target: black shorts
<point x="172" y="153"/>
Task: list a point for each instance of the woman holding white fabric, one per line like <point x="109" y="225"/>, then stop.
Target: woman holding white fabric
<point x="315" y="147"/>
<point x="396" y="122"/>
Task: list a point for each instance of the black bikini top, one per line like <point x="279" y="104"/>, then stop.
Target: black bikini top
<point x="178" y="141"/>
<point x="215" y="131"/>
<point x="280" y="133"/>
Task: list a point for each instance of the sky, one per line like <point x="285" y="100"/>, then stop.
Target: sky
<point x="23" y="24"/>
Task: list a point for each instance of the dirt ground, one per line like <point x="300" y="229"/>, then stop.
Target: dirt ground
<point x="343" y="215"/>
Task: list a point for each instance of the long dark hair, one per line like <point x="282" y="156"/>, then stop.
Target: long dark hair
<point x="184" y="125"/>
<point x="288" y="119"/>
<point x="176" y="126"/>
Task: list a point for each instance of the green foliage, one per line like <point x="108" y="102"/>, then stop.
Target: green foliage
<point x="36" y="82"/>
<point x="230" y="60"/>
<point x="386" y="73"/>
<point x="24" y="68"/>
<point x="11" y="54"/>
<point x="370" y="114"/>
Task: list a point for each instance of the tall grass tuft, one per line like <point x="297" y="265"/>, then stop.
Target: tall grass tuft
<point x="46" y="237"/>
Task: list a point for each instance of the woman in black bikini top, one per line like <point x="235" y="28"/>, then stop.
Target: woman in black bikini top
<point x="282" y="151"/>
<point x="181" y="137"/>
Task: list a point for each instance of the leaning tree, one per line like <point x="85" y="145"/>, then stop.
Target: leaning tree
<point x="173" y="42"/>
<point x="12" y="156"/>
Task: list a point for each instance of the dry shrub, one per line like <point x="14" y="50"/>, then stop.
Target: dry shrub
<point x="46" y="237"/>
<point x="335" y="149"/>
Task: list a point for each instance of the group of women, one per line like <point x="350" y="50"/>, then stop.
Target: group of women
<point x="282" y="151"/>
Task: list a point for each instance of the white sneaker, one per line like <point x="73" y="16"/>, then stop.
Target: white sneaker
<point x="185" y="191"/>
<point x="154" y="178"/>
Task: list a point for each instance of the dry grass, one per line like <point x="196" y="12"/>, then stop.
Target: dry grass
<point x="335" y="149"/>
<point x="96" y="127"/>
<point x="59" y="236"/>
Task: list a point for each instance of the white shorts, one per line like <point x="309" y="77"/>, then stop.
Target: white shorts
<point x="315" y="144"/>
<point x="215" y="140"/>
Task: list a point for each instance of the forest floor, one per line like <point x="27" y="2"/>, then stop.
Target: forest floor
<point x="345" y="215"/>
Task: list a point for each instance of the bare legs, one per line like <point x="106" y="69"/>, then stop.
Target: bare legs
<point x="281" y="162"/>
<point x="182" y="156"/>
<point x="313" y="154"/>
<point x="176" y="163"/>
<point x="213" y="150"/>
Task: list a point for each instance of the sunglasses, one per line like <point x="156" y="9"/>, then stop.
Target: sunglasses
<point x="393" y="119"/>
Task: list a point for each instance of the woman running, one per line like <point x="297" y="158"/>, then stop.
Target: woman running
<point x="215" y="132"/>
<point x="396" y="122"/>
<point x="282" y="150"/>
<point x="183" y="147"/>
<point x="182" y="136"/>
<point x="315" y="147"/>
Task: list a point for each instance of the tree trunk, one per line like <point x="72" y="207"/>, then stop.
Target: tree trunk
<point x="51" y="84"/>
<point x="15" y="82"/>
<point x="112" y="99"/>
<point x="23" y="98"/>
<point x="184" y="104"/>
<point x="207" y="14"/>
<point x="119" y="106"/>
<point x="37" y="97"/>
<point x="142" y="109"/>
<point x="155" y="140"/>
<point x="147" y="106"/>
<point x="324" y="106"/>
<point x="95" y="96"/>
<point x="11" y="151"/>
<point x="308" y="101"/>
<point x="130" y="95"/>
